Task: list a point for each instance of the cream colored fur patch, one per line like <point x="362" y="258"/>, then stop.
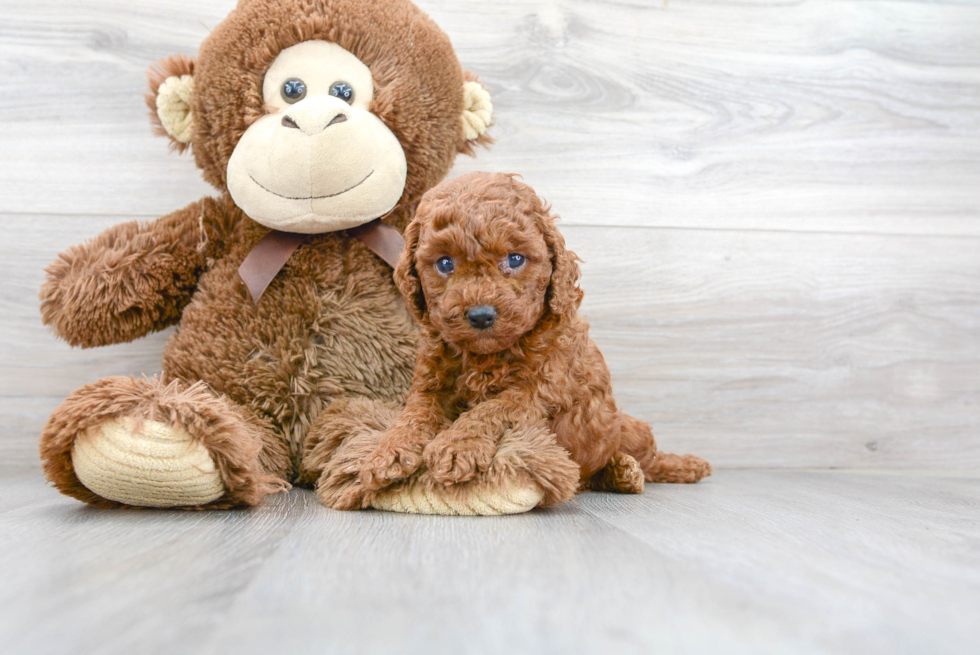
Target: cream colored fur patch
<point x="155" y="466"/>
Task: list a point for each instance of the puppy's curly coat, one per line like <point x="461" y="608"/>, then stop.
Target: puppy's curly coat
<point x="495" y="292"/>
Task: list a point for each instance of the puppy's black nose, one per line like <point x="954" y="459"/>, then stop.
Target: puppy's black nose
<point x="482" y="316"/>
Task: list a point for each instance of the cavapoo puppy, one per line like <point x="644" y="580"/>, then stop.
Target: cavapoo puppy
<point x="495" y="293"/>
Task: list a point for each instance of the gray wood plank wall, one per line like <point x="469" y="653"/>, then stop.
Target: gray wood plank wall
<point x="777" y="204"/>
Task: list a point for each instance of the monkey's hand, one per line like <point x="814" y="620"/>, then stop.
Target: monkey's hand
<point x="133" y="279"/>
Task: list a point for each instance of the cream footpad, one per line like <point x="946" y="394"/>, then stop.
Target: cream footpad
<point x="471" y="500"/>
<point x="151" y="464"/>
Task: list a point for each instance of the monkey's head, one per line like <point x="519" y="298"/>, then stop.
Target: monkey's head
<point x="321" y="115"/>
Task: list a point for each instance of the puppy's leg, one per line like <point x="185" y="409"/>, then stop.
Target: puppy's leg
<point x="658" y="466"/>
<point x="678" y="469"/>
<point x="466" y="449"/>
<point x="622" y="474"/>
<point x="455" y="456"/>
<point x="396" y="456"/>
<point x="399" y="453"/>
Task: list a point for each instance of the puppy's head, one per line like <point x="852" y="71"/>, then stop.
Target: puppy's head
<point x="484" y="262"/>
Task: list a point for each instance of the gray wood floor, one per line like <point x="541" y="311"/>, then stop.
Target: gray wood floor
<point x="747" y="562"/>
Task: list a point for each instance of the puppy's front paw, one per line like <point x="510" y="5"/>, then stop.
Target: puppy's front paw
<point x="455" y="457"/>
<point x="393" y="460"/>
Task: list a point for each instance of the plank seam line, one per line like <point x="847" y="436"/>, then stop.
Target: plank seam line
<point x="617" y="226"/>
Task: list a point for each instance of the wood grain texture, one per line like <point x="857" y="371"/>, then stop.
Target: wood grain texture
<point x="837" y="115"/>
<point x="787" y="349"/>
<point x="777" y="203"/>
<point x="747" y="562"/>
<point x="750" y="348"/>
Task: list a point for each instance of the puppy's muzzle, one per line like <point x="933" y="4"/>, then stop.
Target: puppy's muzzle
<point x="482" y="316"/>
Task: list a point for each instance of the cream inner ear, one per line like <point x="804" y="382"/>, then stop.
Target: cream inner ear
<point x="477" y="110"/>
<point x="174" y="107"/>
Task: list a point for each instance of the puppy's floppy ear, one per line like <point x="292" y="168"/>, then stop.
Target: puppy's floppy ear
<point x="407" y="277"/>
<point x="169" y="100"/>
<point x="564" y="295"/>
<point x="477" y="115"/>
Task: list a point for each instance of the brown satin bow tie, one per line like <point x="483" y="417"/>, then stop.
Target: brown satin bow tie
<point x="269" y="255"/>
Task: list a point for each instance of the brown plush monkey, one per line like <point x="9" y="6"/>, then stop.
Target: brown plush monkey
<point x="313" y="119"/>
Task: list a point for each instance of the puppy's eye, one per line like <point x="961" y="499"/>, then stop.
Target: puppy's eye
<point x="445" y="266"/>
<point x="293" y="90"/>
<point x="515" y="261"/>
<point x="342" y="90"/>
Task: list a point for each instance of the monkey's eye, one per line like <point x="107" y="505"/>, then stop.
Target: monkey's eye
<point x="445" y="266"/>
<point x="342" y="90"/>
<point x="293" y="90"/>
<point x="515" y="261"/>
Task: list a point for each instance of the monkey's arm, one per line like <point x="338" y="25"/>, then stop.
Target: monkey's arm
<point x="134" y="278"/>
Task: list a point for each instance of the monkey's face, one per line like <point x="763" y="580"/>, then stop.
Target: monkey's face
<point x="321" y="116"/>
<point x="318" y="160"/>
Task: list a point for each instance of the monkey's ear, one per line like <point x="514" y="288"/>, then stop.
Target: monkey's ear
<point x="169" y="100"/>
<point x="407" y="277"/>
<point x="477" y="114"/>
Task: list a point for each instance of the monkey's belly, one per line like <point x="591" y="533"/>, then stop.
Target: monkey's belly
<point x="303" y="344"/>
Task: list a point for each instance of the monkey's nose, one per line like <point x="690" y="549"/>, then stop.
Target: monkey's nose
<point x="482" y="316"/>
<point x="310" y="126"/>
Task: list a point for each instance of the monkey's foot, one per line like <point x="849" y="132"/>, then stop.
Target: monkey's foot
<point x="506" y="496"/>
<point x="143" y="443"/>
<point x="147" y="464"/>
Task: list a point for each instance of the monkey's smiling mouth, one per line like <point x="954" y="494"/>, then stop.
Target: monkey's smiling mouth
<point x="331" y="195"/>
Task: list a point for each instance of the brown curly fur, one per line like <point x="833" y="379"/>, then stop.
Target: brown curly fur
<point x="331" y="326"/>
<point x="535" y="366"/>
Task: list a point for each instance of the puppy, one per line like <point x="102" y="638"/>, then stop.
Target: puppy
<point x="495" y="293"/>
